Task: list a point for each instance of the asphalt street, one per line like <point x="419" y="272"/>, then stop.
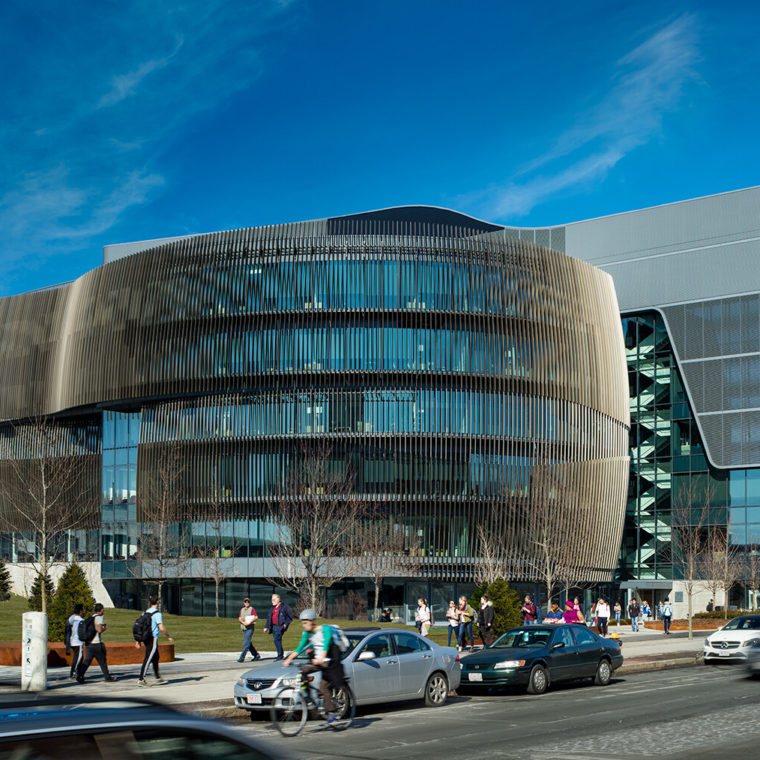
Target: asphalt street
<point x="698" y="712"/>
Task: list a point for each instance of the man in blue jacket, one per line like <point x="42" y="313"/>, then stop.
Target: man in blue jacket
<point x="278" y="620"/>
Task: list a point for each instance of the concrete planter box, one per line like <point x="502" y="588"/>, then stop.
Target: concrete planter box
<point x="698" y="624"/>
<point x="117" y="653"/>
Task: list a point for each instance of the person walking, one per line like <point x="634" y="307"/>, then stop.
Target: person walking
<point x="96" y="649"/>
<point x="466" y="615"/>
<point x="667" y="616"/>
<point x="247" y="618"/>
<point x="151" y="645"/>
<point x="452" y="615"/>
<point x="485" y="620"/>
<point x="278" y="620"/>
<point x="528" y="611"/>
<point x="71" y="639"/>
<point x="602" y="616"/>
<point x="422" y="617"/>
<point x="634" y="611"/>
<point x="618" y="612"/>
<point x="646" y="610"/>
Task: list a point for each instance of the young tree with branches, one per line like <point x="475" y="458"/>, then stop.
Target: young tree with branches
<point x="494" y="549"/>
<point x="542" y="528"/>
<point x="722" y="563"/>
<point x="163" y="553"/>
<point x="46" y="489"/>
<point x="690" y="513"/>
<point x="752" y="572"/>
<point x="385" y="548"/>
<point x="316" y="524"/>
<point x="218" y="552"/>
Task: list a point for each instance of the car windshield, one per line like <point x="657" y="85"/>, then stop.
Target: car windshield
<point x="353" y="640"/>
<point x="743" y="624"/>
<point x="520" y="638"/>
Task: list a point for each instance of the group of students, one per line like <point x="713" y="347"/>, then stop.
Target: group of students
<point x="460" y="617"/>
<point x="84" y="641"/>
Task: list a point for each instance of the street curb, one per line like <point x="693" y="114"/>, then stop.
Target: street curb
<point x="674" y="662"/>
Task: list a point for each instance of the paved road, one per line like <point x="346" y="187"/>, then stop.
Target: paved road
<point x="701" y="712"/>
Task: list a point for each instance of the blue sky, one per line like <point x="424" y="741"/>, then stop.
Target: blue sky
<point x="129" y="121"/>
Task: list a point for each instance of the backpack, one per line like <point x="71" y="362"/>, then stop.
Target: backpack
<point x="142" y="630"/>
<point x="340" y="639"/>
<point x="86" y="630"/>
<point x="667" y="612"/>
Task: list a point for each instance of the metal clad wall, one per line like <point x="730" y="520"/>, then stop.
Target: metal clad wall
<point x="697" y="263"/>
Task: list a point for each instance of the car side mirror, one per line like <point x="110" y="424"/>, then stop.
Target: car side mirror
<point x="366" y="655"/>
<point x="558" y="645"/>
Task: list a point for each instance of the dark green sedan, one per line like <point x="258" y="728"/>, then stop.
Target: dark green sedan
<point x="535" y="656"/>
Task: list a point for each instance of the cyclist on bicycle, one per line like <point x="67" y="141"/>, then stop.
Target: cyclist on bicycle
<point x="325" y="658"/>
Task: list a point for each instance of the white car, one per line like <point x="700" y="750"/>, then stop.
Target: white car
<point x="739" y="639"/>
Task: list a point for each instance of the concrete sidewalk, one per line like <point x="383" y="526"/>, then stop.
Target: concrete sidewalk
<point x="203" y="682"/>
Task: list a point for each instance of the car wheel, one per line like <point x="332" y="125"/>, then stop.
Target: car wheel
<point x="603" y="673"/>
<point x="436" y="690"/>
<point x="539" y="680"/>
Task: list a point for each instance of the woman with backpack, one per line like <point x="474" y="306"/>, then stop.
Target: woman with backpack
<point x="423" y="617"/>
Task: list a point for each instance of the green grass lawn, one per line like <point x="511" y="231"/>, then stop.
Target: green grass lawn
<point x="191" y="634"/>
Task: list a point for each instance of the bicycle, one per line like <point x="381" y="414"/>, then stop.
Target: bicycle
<point x="291" y="705"/>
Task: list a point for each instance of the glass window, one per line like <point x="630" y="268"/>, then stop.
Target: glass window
<point x="408" y="643"/>
<point x="583" y="635"/>
<point x="564" y="635"/>
<point x="753" y="486"/>
<point x="737" y="488"/>
<point x="380" y="645"/>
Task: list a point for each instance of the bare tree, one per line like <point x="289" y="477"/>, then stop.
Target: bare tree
<point x="46" y="489"/>
<point x="218" y="552"/>
<point x="546" y="552"/>
<point x="315" y="523"/>
<point x="722" y="563"/>
<point x="690" y="515"/>
<point x="495" y="551"/>
<point x="385" y="548"/>
<point x="163" y="552"/>
<point x="752" y="572"/>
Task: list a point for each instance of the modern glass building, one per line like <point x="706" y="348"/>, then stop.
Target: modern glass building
<point x="435" y="357"/>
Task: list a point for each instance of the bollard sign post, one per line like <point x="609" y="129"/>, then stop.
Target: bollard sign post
<point x="34" y="642"/>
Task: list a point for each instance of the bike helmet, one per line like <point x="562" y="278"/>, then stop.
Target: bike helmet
<point x="308" y="615"/>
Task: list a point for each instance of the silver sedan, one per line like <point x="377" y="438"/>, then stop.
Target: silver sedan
<point x="383" y="665"/>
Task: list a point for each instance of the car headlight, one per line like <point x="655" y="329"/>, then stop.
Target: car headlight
<point x="507" y="664"/>
<point x="289" y="681"/>
<point x="707" y="643"/>
<point x="242" y="682"/>
<point x="752" y="643"/>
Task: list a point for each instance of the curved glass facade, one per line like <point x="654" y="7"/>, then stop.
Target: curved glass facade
<point x="433" y="362"/>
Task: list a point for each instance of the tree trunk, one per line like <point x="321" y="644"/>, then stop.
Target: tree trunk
<point x="216" y="594"/>
<point x="377" y="598"/>
<point x="44" y="571"/>
<point x="691" y="625"/>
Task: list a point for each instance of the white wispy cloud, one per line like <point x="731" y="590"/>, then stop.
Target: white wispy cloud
<point x="647" y="83"/>
<point x="95" y="101"/>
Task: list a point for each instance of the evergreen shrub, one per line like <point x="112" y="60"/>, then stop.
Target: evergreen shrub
<point x="35" y="596"/>
<point x="73" y="588"/>
<point x="5" y="583"/>
<point x="506" y="605"/>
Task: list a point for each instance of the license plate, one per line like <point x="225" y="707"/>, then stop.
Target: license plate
<point x="253" y="699"/>
<point x="724" y="654"/>
<point x="475" y="676"/>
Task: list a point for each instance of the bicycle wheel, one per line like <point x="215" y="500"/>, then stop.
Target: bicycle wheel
<point x="345" y="708"/>
<point x="289" y="711"/>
